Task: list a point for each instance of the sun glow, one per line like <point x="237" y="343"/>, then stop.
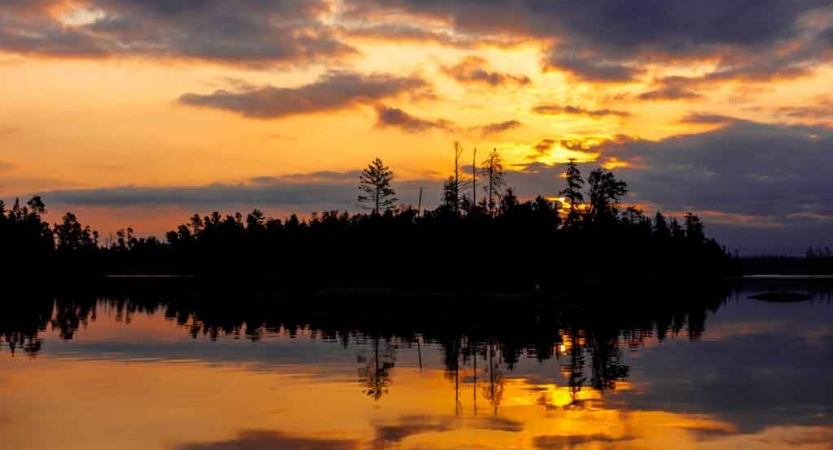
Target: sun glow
<point x="79" y="16"/>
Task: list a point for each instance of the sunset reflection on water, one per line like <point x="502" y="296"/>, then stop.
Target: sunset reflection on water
<point x="147" y="384"/>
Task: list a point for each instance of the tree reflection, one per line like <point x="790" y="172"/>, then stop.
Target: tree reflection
<point x="480" y="346"/>
<point x="375" y="376"/>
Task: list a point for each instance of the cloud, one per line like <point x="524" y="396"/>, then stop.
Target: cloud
<point x="670" y="93"/>
<point x="397" y="118"/>
<point x="476" y="70"/>
<point x="673" y="88"/>
<point x="391" y="32"/>
<point x="267" y="191"/>
<point x="819" y="110"/>
<point x="544" y="146"/>
<point x="301" y="193"/>
<point x="590" y="69"/>
<point x="333" y="91"/>
<point x="743" y="168"/>
<point x="578" y="111"/>
<point x="271" y="440"/>
<point x="608" y="40"/>
<point x="708" y="119"/>
<point x="260" y="34"/>
<point x="777" y="174"/>
<point x="497" y="128"/>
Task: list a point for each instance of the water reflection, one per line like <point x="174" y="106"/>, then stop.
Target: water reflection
<point x="709" y="369"/>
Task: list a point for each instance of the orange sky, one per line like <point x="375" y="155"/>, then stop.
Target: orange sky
<point x="85" y="106"/>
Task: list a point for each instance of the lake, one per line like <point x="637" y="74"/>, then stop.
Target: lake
<point x="169" y="372"/>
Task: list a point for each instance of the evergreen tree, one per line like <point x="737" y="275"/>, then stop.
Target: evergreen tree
<point x="572" y="193"/>
<point x="72" y="236"/>
<point x="375" y="184"/>
<point x="604" y="192"/>
<point x="694" y="229"/>
<point x="661" y="229"/>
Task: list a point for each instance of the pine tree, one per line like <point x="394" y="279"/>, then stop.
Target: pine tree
<point x="605" y="192"/>
<point x="375" y="184"/>
<point x="572" y="193"/>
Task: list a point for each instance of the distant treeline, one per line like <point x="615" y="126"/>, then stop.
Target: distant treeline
<point x="495" y="242"/>
<point x="817" y="261"/>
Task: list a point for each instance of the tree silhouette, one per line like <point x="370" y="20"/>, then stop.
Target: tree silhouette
<point x="451" y="188"/>
<point x="694" y="228"/>
<point x="492" y="170"/>
<point x="375" y="184"/>
<point x="572" y="193"/>
<point x="604" y="192"/>
<point x="72" y="236"/>
<point x="661" y="228"/>
<point x="375" y="376"/>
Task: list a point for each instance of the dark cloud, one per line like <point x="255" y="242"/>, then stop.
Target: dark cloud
<point x="333" y="91"/>
<point x="271" y="440"/>
<point x="602" y="41"/>
<point x="578" y="111"/>
<point x="263" y="33"/>
<point x="544" y="146"/>
<point x="558" y="442"/>
<point x="397" y="118"/>
<point x="302" y="193"/>
<point x="388" y="32"/>
<point x="746" y="175"/>
<point x="606" y="40"/>
<point x="821" y="110"/>
<point x="670" y="93"/>
<point x="743" y="168"/>
<point x="759" y="70"/>
<point x="614" y="27"/>
<point x="673" y="88"/>
<point x="497" y="128"/>
<point x="708" y="119"/>
<point x="591" y="69"/>
<point x="266" y="191"/>
<point x="476" y="70"/>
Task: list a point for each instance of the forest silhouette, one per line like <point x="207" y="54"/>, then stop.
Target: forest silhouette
<point x="481" y="238"/>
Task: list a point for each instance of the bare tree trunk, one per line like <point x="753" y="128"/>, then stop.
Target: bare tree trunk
<point x="458" y="152"/>
<point x="474" y="179"/>
<point x="419" y="205"/>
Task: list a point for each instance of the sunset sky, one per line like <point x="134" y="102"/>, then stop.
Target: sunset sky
<point x="141" y="112"/>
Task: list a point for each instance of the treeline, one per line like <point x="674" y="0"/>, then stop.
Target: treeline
<point x="494" y="242"/>
<point x="816" y="261"/>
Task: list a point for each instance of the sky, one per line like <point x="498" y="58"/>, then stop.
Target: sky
<point x="142" y="112"/>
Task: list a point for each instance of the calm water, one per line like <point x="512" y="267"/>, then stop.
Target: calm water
<point x="139" y="374"/>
